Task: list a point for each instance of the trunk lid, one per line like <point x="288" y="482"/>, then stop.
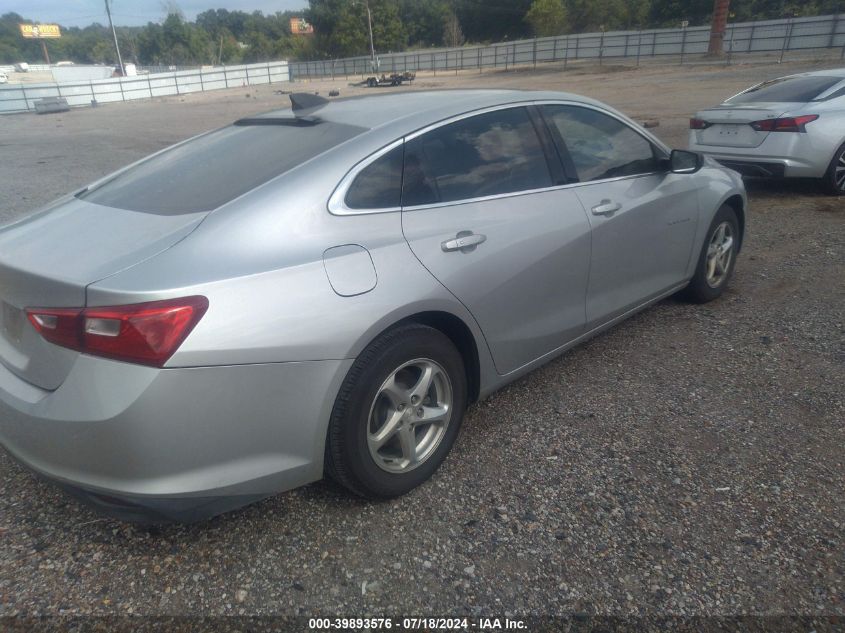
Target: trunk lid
<point x="729" y="124"/>
<point x="49" y="259"/>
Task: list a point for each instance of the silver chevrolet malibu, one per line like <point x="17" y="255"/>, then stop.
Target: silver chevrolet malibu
<point x="325" y="289"/>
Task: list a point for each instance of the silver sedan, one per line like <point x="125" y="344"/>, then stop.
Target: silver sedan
<point x="790" y="127"/>
<point x="324" y="290"/>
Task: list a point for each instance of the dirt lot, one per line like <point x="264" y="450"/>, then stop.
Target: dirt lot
<point x="689" y="462"/>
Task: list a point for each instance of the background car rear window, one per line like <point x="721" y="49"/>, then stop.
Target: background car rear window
<point x="788" y="89"/>
<point x="488" y="154"/>
<point x="379" y="185"/>
<point x="601" y="146"/>
<point x="216" y="168"/>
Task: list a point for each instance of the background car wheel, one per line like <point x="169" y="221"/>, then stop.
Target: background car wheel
<point x="717" y="259"/>
<point x="398" y="413"/>
<point x="834" y="180"/>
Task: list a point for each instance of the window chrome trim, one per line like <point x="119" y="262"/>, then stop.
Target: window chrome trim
<point x="337" y="201"/>
<point x="528" y="192"/>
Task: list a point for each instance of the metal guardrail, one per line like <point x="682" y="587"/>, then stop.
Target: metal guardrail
<point x="772" y="37"/>
<point x="21" y="97"/>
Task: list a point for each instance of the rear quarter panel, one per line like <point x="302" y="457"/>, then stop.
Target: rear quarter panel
<point x="260" y="263"/>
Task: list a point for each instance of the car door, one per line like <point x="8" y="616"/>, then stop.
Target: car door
<point x="643" y="217"/>
<point x="483" y="212"/>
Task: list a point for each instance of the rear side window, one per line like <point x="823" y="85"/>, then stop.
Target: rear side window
<point x="484" y="155"/>
<point x="833" y="95"/>
<point x="788" y="89"/>
<point x="601" y="146"/>
<point x="379" y="184"/>
<point x="216" y="168"/>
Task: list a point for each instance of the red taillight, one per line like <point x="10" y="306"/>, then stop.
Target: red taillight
<point x="785" y="124"/>
<point x="699" y="124"/>
<point x="144" y="333"/>
<point x="57" y="326"/>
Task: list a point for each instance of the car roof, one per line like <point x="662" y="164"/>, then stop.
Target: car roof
<point x="415" y="109"/>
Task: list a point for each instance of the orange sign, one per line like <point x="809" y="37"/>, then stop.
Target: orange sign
<point x="298" y="26"/>
<point x="40" y="30"/>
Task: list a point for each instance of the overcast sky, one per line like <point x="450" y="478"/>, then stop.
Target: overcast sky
<point x="132" y="12"/>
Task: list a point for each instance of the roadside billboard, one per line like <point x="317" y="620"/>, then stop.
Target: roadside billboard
<point x="298" y="26"/>
<point x="40" y="31"/>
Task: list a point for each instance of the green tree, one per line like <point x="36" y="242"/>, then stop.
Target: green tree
<point x="547" y="17"/>
<point x="423" y="21"/>
<point x="453" y="34"/>
<point x="492" y="20"/>
<point x="670" y="13"/>
<point x="342" y="30"/>
<point x="103" y="53"/>
<point x="595" y="15"/>
<point x="341" y="25"/>
<point x="13" y="47"/>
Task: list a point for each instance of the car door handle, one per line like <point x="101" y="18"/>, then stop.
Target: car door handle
<point x="465" y="241"/>
<point x="606" y="207"/>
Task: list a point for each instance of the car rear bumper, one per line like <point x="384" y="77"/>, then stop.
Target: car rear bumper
<point x="781" y="155"/>
<point x="754" y="168"/>
<point x="156" y="510"/>
<point x="762" y="166"/>
<point x="173" y="444"/>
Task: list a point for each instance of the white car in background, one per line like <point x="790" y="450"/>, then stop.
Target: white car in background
<point x="789" y="127"/>
<point x="4" y="78"/>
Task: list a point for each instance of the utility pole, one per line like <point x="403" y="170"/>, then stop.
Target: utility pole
<point x="718" y="27"/>
<point x="116" y="47"/>
<point x="44" y="50"/>
<point x="372" y="45"/>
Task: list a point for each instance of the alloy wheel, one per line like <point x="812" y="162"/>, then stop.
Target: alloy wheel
<point x="719" y="255"/>
<point x="409" y="415"/>
<point x="839" y="173"/>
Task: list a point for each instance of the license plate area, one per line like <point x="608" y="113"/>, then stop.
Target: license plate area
<point x="732" y="135"/>
<point x="730" y="129"/>
<point x="11" y="322"/>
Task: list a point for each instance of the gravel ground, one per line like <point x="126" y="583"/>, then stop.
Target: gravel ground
<point x="688" y="462"/>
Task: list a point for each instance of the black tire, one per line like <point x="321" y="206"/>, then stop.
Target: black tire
<point x="701" y="289"/>
<point x="348" y="458"/>
<point x="833" y="182"/>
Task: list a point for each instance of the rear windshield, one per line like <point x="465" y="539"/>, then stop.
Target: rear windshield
<point x="788" y="89"/>
<point x="216" y="168"/>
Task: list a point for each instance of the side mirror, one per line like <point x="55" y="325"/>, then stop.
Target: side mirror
<point x="683" y="162"/>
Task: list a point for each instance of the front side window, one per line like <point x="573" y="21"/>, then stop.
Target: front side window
<point x="379" y="184"/>
<point x="488" y="154"/>
<point x="601" y="146"/>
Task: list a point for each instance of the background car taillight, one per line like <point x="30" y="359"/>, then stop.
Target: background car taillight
<point x="785" y="124"/>
<point x="699" y="124"/>
<point x="143" y="333"/>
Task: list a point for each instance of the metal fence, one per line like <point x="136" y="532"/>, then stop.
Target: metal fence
<point x="771" y="37"/>
<point x="9" y="68"/>
<point x="21" y="97"/>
